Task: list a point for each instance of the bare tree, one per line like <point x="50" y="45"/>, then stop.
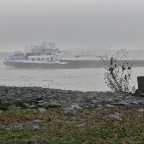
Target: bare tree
<point x="118" y="71"/>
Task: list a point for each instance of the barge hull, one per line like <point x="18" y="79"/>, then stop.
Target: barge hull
<point x="68" y="65"/>
<point x="76" y="64"/>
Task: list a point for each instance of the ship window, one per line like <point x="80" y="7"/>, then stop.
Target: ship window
<point x="42" y="59"/>
<point x="38" y="59"/>
<point x="33" y="59"/>
<point x="47" y="59"/>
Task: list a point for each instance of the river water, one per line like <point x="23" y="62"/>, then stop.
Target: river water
<point x="67" y="79"/>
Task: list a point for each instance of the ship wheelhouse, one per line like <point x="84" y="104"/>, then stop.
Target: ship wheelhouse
<point x="44" y="58"/>
<point x="47" y="52"/>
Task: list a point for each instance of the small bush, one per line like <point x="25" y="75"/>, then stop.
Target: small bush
<point x="118" y="71"/>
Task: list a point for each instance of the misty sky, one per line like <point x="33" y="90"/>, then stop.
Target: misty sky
<point x="72" y="24"/>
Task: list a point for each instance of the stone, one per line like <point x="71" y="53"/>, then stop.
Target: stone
<point x="17" y="128"/>
<point x="121" y="103"/>
<point x="95" y="101"/>
<point x="35" y="127"/>
<point x="13" y="107"/>
<point x="114" y="116"/>
<point x="141" y="110"/>
<point x="18" y="99"/>
<point x="81" y="125"/>
<point x="43" y="104"/>
<point x="1" y="111"/>
<point x="42" y="110"/>
<point x="34" y="122"/>
<point x="71" y="107"/>
<point x="54" y="104"/>
<point x="41" y="101"/>
<point x="31" y="106"/>
<point x="109" y="105"/>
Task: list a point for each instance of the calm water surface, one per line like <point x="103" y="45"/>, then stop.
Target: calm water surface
<point x="69" y="79"/>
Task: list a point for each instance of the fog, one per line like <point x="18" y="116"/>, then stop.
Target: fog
<point x="72" y="25"/>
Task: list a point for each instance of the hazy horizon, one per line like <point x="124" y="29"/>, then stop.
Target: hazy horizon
<point x="72" y="25"/>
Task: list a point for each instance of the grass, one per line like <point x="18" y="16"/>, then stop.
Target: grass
<point x="86" y="126"/>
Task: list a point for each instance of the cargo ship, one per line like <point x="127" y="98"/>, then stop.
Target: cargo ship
<point x="47" y="55"/>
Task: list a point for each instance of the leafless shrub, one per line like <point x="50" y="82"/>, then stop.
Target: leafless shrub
<point x="118" y="71"/>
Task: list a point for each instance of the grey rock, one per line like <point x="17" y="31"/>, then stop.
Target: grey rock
<point x="109" y="105"/>
<point x="31" y="106"/>
<point x="42" y="110"/>
<point x="114" y="116"/>
<point x="26" y="104"/>
<point x="139" y="101"/>
<point x="78" y="119"/>
<point x="117" y="95"/>
<point x="141" y="110"/>
<point x="43" y="104"/>
<point x="95" y="101"/>
<point x="34" y="123"/>
<point x="41" y="101"/>
<point x="89" y="105"/>
<point x="54" y="104"/>
<point x="35" y="127"/>
<point x="13" y="107"/>
<point x="1" y="111"/>
<point x="110" y="99"/>
<point x="71" y="107"/>
<point x="81" y="125"/>
<point x="122" y="103"/>
<point x="18" y="99"/>
<point x="8" y="129"/>
<point x="17" y="128"/>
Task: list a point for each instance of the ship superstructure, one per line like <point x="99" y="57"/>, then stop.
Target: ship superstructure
<point x="46" y="52"/>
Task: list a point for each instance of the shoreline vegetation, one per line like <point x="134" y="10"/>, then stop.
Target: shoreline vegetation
<point x="36" y="115"/>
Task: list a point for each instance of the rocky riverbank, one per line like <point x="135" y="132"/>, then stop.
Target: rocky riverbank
<point x="12" y="98"/>
<point x="39" y="115"/>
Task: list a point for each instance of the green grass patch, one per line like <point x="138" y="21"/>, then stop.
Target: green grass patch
<point x="86" y="126"/>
